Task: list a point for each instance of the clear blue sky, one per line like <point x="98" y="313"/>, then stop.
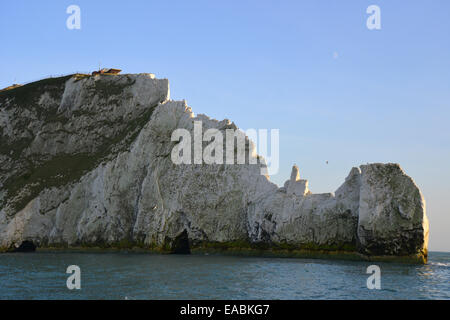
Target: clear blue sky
<point x="337" y="91"/>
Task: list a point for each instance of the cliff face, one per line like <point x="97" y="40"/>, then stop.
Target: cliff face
<point x="86" y="161"/>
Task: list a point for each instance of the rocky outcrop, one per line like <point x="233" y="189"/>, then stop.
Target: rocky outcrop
<point x="86" y="161"/>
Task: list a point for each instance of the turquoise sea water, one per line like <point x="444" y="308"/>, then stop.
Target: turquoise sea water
<point x="124" y="275"/>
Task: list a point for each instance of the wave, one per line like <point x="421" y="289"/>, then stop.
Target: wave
<point x="440" y="264"/>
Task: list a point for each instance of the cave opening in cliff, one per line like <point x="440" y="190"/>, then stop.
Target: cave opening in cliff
<point x="181" y="244"/>
<point x="26" y="246"/>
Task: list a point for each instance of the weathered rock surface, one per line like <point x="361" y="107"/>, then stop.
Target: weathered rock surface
<point x="86" y="161"/>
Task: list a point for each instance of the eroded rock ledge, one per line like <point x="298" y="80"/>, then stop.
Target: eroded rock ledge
<point x="85" y="162"/>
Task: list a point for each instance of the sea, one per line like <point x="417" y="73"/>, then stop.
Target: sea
<point x="131" y="275"/>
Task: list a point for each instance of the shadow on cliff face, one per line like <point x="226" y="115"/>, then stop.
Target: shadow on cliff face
<point x="26" y="246"/>
<point x="180" y="245"/>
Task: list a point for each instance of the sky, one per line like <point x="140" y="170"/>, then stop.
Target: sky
<point x="337" y="91"/>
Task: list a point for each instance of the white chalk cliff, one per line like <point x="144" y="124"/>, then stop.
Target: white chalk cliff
<point x="85" y="161"/>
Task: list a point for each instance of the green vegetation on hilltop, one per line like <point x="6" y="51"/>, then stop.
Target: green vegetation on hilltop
<point x="41" y="171"/>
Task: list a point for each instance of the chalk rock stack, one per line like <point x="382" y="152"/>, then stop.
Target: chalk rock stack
<point x="85" y="161"/>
